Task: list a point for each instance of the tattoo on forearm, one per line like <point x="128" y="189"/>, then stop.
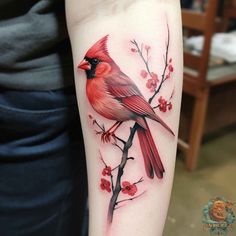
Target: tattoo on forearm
<point x="113" y="95"/>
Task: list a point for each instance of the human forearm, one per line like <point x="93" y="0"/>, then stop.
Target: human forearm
<point x="146" y="23"/>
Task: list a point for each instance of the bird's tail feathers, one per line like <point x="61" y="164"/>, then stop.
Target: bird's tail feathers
<point x="152" y="160"/>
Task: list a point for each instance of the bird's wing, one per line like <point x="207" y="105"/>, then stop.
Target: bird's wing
<point x="127" y="93"/>
<point x="138" y="104"/>
<point x="141" y="107"/>
<point x="124" y="90"/>
<point x="120" y="86"/>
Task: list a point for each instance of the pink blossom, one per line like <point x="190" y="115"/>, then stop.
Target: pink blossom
<point x="162" y="104"/>
<point x="133" y="50"/>
<point x="147" y="47"/>
<point x="168" y="76"/>
<point x="154" y="76"/>
<point x="105" y="185"/>
<point x="151" y="84"/>
<point x="129" y="188"/>
<point x="171" y="68"/>
<point x="144" y="73"/>
<point x="106" y="171"/>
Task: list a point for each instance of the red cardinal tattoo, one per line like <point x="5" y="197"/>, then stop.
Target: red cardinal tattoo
<point x="115" y="96"/>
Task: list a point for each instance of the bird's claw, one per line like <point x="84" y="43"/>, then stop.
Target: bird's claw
<point x="107" y="136"/>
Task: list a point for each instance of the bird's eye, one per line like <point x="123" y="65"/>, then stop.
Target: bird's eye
<point x="95" y="61"/>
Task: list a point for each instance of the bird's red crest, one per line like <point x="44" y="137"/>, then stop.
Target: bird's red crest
<point x="99" y="50"/>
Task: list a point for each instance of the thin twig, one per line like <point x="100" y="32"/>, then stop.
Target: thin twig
<point x="102" y="159"/>
<point x="101" y="127"/>
<point x="156" y="107"/>
<point x="116" y="145"/>
<point x="111" y="175"/>
<point x="140" y="181"/>
<point x="159" y="106"/>
<point x="141" y="55"/>
<point x="164" y="71"/>
<point x="115" y="168"/>
<point x="121" y="140"/>
<point x="130" y="199"/>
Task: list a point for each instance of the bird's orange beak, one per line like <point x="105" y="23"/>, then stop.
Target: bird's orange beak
<point x="84" y="65"/>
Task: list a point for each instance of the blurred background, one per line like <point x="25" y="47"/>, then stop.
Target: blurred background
<point x="206" y="160"/>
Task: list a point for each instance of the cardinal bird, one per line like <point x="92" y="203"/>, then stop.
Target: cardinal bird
<point x="115" y="96"/>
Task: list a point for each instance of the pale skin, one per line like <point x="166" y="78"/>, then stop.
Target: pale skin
<point x="145" y="21"/>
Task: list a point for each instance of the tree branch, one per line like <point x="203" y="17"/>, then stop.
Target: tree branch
<point x="128" y="144"/>
<point x="120" y="173"/>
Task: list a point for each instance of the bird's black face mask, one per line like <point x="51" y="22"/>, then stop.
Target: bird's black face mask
<point x="92" y="72"/>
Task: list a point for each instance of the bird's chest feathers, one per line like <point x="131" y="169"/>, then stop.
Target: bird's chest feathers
<point x="100" y="99"/>
<point x="96" y="90"/>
